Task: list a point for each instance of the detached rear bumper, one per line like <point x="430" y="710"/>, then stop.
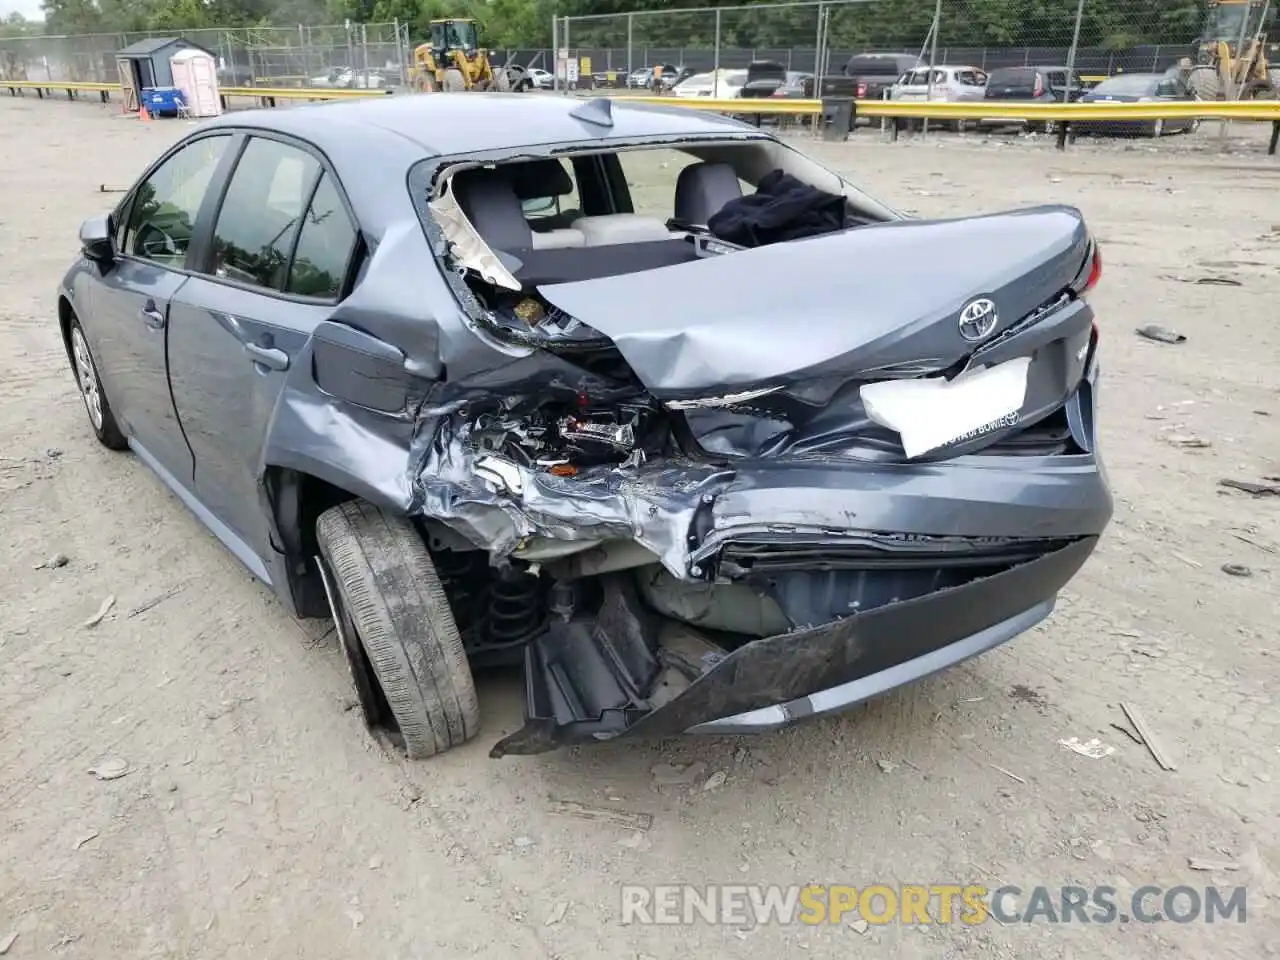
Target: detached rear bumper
<point x="779" y="680"/>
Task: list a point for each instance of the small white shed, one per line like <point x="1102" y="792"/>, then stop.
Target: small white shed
<point x="195" y="73"/>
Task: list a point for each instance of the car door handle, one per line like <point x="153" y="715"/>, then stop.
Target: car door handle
<point x="271" y="357"/>
<point x="152" y="317"/>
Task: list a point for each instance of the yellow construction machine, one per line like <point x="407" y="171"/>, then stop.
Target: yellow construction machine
<point x="453" y="60"/>
<point x="1231" y="60"/>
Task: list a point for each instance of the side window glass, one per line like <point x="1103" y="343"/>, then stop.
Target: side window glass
<point x="261" y="213"/>
<point x="324" y="246"/>
<point x="162" y="217"/>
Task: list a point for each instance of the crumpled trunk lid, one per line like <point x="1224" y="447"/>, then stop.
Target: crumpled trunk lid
<point x="869" y="303"/>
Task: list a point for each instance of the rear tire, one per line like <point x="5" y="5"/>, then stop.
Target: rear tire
<point x="454" y="82"/>
<point x="406" y="655"/>
<point x="1205" y="83"/>
<point x="96" y="405"/>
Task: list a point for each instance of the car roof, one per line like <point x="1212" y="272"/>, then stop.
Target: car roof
<point x="441" y="124"/>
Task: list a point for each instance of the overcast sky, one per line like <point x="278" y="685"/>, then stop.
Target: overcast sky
<point x="28" y="8"/>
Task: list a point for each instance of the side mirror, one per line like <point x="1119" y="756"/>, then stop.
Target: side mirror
<point x="96" y="241"/>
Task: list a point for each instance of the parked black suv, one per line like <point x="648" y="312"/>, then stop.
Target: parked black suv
<point x="1032" y="84"/>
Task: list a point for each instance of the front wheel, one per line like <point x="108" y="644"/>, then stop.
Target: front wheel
<point x="96" y="405"/>
<point x="396" y="629"/>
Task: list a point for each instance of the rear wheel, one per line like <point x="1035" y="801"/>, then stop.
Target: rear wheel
<point x="454" y="81"/>
<point x="396" y="629"/>
<point x="1205" y="83"/>
<point x="96" y="405"/>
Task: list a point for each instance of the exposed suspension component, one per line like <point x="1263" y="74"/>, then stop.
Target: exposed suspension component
<point x="495" y="610"/>
<point x="516" y="608"/>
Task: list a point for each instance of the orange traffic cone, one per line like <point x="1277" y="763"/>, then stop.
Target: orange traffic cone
<point x="143" y="115"/>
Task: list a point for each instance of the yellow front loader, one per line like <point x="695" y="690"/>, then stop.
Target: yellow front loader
<point x="453" y="60"/>
<point x="1231" y="56"/>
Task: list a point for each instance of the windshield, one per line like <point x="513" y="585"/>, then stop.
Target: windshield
<point x="453" y="35"/>
<point x="1136" y="86"/>
<point x="1226" y="22"/>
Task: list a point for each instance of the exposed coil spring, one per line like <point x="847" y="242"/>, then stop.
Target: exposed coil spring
<point x="515" y="610"/>
<point x="467" y="589"/>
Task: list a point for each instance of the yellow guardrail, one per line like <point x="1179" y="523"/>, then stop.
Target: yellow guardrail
<point x="1060" y="114"/>
<point x="267" y="96"/>
<point x="72" y="88"/>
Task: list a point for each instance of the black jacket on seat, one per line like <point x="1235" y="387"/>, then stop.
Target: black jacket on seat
<point x="782" y="208"/>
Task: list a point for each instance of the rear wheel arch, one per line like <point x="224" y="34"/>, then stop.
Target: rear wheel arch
<point x="296" y="499"/>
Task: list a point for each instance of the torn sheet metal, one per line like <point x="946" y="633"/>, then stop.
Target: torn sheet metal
<point x="468" y="250"/>
<point x="654" y="505"/>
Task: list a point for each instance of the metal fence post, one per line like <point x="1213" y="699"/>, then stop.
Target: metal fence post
<point x="568" y="53"/>
<point x="631" y="17"/>
<point x="933" y="58"/>
<point x="400" y="54"/>
<point x="555" y="53"/>
<point x="1075" y="43"/>
<point x="715" y="61"/>
<point x="817" y="54"/>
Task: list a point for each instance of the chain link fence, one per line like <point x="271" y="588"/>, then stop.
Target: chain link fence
<point x="1099" y="38"/>
<point x="356" y="54"/>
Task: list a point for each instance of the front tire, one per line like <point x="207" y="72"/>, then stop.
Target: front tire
<point x="397" y="630"/>
<point x="96" y="405"/>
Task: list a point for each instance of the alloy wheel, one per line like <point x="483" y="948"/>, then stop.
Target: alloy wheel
<point x="87" y="377"/>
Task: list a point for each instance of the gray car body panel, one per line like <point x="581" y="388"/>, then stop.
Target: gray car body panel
<point x="869" y="299"/>
<point x="375" y="390"/>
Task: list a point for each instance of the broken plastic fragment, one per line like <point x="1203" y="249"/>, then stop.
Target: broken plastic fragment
<point x="503" y="474"/>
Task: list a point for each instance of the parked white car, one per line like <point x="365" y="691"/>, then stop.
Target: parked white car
<point x="951" y="84"/>
<point x="727" y="83"/>
<point x="346" y="78"/>
<point x="542" y="79"/>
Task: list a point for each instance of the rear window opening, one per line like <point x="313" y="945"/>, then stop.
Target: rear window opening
<point x="512" y="227"/>
<point x="517" y="225"/>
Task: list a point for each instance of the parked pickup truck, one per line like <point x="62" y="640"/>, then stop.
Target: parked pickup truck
<point x="868" y="75"/>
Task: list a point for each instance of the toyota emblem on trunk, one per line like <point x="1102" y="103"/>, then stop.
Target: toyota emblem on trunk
<point x="978" y="319"/>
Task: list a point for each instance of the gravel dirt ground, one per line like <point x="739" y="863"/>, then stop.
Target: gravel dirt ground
<point x="257" y="819"/>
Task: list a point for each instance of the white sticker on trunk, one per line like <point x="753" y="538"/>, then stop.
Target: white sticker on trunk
<point x="930" y="413"/>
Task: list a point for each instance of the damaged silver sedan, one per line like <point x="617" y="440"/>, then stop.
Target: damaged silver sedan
<point x="645" y="400"/>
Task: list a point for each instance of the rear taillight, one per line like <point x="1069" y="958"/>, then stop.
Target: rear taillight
<point x="1039" y="87"/>
<point x="1095" y="270"/>
<point x="862" y="90"/>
